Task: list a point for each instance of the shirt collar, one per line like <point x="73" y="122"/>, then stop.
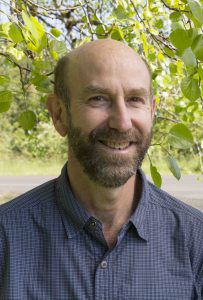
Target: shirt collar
<point x="139" y="217"/>
<point x="75" y="217"/>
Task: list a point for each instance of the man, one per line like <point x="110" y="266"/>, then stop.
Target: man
<point x="101" y="230"/>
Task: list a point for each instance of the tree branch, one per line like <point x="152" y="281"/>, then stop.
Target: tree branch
<point x="173" y="8"/>
<point x="15" y="63"/>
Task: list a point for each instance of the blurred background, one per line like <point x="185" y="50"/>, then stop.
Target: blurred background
<point x="35" y="34"/>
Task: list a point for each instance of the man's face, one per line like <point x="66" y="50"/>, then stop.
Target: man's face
<point x="110" y="115"/>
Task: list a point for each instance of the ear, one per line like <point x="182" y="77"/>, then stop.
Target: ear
<point x="58" y="113"/>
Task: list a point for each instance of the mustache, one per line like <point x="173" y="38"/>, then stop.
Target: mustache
<point x="106" y="133"/>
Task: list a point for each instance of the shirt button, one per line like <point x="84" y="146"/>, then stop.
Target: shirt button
<point x="104" y="264"/>
<point x="93" y="224"/>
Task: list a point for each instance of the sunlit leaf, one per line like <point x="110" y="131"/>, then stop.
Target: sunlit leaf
<point x="159" y="23"/>
<point x="55" y="32"/>
<point x="173" y="68"/>
<point x="31" y="26"/>
<point x="15" y="33"/>
<point x="197" y="10"/>
<point x="117" y="34"/>
<point x="180" y="137"/>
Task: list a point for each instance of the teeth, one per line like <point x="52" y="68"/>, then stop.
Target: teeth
<point x="116" y="145"/>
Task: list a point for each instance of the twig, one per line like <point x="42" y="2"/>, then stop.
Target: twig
<point x="53" y="9"/>
<point x="168" y="119"/>
<point x="173" y="8"/>
<point x="200" y="156"/>
<point x="15" y="63"/>
<point x="88" y="19"/>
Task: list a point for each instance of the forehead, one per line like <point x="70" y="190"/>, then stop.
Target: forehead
<point x="108" y="66"/>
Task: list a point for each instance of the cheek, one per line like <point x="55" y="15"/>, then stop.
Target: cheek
<point x="88" y="118"/>
<point x="143" y="121"/>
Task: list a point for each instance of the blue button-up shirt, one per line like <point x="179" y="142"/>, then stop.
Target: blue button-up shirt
<point x="51" y="248"/>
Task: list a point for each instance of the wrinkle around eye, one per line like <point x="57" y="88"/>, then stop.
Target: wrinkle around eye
<point x="136" y="100"/>
<point x="98" y="100"/>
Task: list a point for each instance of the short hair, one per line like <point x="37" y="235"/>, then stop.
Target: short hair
<point x="61" y="79"/>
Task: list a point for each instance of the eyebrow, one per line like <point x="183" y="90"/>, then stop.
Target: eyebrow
<point x="103" y="90"/>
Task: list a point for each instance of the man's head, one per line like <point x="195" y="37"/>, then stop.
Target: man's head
<point x="107" y="87"/>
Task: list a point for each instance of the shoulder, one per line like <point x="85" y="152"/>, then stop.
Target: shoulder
<point x="33" y="198"/>
<point x="175" y="210"/>
<point x="165" y="200"/>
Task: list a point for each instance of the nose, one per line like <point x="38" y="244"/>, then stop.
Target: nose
<point x="120" y="118"/>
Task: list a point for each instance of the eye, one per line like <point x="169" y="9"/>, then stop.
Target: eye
<point x="135" y="100"/>
<point x="98" y="100"/>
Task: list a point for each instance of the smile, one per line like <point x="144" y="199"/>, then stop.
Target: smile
<point x="116" y="145"/>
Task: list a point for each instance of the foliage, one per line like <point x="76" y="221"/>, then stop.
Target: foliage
<point x="35" y="34"/>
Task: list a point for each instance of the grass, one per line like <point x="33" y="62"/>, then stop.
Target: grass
<point x="16" y="166"/>
<point x="19" y="166"/>
<point x="7" y="197"/>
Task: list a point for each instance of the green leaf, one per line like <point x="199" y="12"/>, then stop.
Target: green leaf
<point x="120" y="13"/>
<point x="41" y="65"/>
<point x="196" y="10"/>
<point x="31" y="26"/>
<point x="200" y="72"/>
<point x="173" y="68"/>
<point x="156" y="177"/>
<point x="5" y="27"/>
<point x="4" y="80"/>
<point x="189" y="58"/>
<point x="159" y="23"/>
<point x="176" y="25"/>
<point x="190" y="88"/>
<point x="175" y="16"/>
<point x="15" y="34"/>
<point x="173" y="166"/>
<point x="180" y="137"/>
<point x="55" y="32"/>
<point x="100" y="32"/>
<point x="57" y="49"/>
<point x="41" y="82"/>
<point x="169" y="52"/>
<point x="6" y="98"/>
<point x="180" y="39"/>
<point x="117" y="34"/>
<point x="197" y="47"/>
<point x="27" y="119"/>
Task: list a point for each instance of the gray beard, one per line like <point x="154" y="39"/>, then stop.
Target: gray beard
<point x="111" y="170"/>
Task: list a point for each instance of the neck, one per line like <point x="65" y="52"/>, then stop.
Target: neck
<point x="112" y="206"/>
